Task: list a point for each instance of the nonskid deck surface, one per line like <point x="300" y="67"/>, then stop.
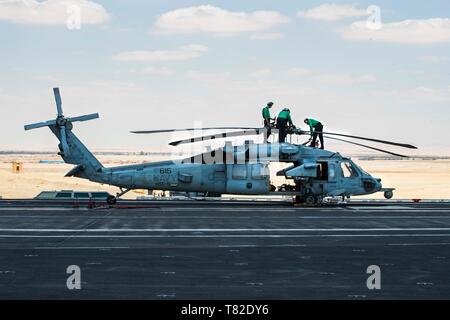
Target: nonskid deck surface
<point x="198" y="250"/>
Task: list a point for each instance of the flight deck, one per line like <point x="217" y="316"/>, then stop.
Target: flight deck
<point x="167" y="250"/>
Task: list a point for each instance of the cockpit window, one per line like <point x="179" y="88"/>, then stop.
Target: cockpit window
<point x="348" y="170"/>
<point x="362" y="170"/>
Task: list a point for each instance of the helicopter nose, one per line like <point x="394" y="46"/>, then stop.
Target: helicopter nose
<point x="379" y="185"/>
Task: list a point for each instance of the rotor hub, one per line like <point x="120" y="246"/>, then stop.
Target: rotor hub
<point x="61" y="121"/>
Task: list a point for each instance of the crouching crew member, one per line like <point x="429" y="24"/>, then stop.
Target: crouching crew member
<point x="316" y="129"/>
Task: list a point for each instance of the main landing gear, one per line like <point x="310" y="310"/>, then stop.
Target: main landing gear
<point x="112" y="200"/>
<point x="308" y="200"/>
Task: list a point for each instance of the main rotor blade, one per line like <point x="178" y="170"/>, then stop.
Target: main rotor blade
<point x="191" y="129"/>
<point x="369" y="147"/>
<point x="58" y="101"/>
<point x="251" y="132"/>
<point x="84" y="118"/>
<point x="403" y="145"/>
<point x="39" y="125"/>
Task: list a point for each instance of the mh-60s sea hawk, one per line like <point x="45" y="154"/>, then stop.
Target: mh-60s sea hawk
<point x="240" y="170"/>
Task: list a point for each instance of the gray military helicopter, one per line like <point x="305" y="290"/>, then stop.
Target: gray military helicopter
<point x="240" y="170"/>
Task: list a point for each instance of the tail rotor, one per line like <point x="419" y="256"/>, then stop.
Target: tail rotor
<point x="61" y="122"/>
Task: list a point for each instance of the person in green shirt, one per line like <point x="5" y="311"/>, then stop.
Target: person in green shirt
<point x="267" y="119"/>
<point x="284" y="118"/>
<point x="316" y="130"/>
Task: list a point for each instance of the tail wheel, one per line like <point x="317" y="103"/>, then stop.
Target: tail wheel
<point x="111" y="200"/>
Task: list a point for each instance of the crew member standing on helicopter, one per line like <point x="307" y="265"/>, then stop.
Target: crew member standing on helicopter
<point x="267" y="119"/>
<point x="316" y="129"/>
<point x="284" y="118"/>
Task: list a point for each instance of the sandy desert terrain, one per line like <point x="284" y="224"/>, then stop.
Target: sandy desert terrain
<point x="413" y="179"/>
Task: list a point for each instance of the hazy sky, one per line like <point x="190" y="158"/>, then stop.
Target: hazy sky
<point x="159" y="64"/>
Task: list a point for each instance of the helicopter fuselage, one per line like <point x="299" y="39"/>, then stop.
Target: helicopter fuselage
<point x="244" y="170"/>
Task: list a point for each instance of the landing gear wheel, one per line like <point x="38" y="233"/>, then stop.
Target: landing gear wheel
<point x="388" y="194"/>
<point x="310" y="200"/>
<point x="111" y="200"/>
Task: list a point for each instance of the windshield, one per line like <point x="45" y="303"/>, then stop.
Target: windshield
<point x="348" y="170"/>
<point x="364" y="172"/>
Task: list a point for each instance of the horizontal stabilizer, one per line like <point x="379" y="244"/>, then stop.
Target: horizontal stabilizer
<point x="75" y="170"/>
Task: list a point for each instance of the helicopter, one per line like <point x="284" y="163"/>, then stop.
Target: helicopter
<point x="238" y="170"/>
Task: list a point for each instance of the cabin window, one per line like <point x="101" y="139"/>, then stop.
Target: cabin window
<point x="260" y="171"/>
<point x="239" y="171"/>
<point x="331" y="172"/>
